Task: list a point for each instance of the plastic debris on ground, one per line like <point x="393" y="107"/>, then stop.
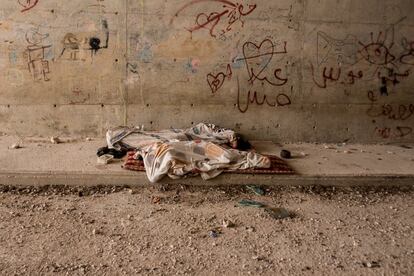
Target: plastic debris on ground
<point x="251" y="203"/>
<point x="274" y="212"/>
<point x="257" y="190"/>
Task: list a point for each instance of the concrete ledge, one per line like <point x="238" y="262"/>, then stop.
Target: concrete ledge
<point x="140" y="179"/>
<point x="41" y="163"/>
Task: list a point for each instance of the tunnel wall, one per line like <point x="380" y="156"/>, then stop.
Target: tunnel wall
<point x="286" y="70"/>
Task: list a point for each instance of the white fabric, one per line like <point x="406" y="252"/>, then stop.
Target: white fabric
<point x="177" y="159"/>
<point x="177" y="153"/>
<point x="135" y="138"/>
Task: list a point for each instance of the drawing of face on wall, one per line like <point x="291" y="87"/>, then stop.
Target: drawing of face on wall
<point x="35" y="37"/>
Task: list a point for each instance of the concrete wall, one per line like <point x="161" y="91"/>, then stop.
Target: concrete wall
<point x="286" y="70"/>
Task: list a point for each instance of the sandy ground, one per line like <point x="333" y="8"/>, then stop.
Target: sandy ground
<point x="166" y="230"/>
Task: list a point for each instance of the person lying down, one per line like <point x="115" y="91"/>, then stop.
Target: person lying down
<point x="204" y="149"/>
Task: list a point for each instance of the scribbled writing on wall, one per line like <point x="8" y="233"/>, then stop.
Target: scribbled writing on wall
<point x="36" y="51"/>
<point x="375" y="58"/>
<point x="281" y="99"/>
<point x="400" y="113"/>
<point x="380" y="61"/>
<point x="259" y="61"/>
<point x="27" y="4"/>
<point x="258" y="58"/>
<point x="132" y="73"/>
<point x="221" y="19"/>
<point x="132" y="67"/>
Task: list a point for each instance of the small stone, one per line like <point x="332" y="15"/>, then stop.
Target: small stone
<point x="16" y="146"/>
<point x="213" y="233"/>
<point x="132" y="191"/>
<point x="55" y="140"/>
<point x="372" y="264"/>
<point x="278" y="213"/>
<point x="156" y="199"/>
<point x="257" y="258"/>
<point x="250" y="229"/>
<point x="228" y="223"/>
<point x="328" y="147"/>
<point x="88" y="139"/>
<point x="105" y="159"/>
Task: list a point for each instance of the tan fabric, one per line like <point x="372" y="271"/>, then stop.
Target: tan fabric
<point x="180" y="152"/>
<point x="178" y="159"/>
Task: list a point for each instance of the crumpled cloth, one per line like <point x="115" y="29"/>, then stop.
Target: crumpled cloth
<point x="180" y="152"/>
<point x="134" y="138"/>
<point x="178" y="159"/>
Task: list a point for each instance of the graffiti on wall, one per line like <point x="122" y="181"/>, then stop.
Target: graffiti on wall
<point x="399" y="113"/>
<point x="27" y="4"/>
<point x="216" y="81"/>
<point x="258" y="57"/>
<point x="75" y="45"/>
<point x="36" y="49"/>
<point x="220" y="19"/>
<point x="358" y="60"/>
<point x="261" y="66"/>
<point x="380" y="61"/>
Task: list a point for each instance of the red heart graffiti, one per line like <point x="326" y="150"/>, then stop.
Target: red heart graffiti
<point x="215" y="82"/>
<point x="253" y="55"/>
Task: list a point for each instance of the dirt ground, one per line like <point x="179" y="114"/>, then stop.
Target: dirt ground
<point x="179" y="230"/>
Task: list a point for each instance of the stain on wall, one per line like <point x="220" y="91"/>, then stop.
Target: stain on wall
<point x="287" y="70"/>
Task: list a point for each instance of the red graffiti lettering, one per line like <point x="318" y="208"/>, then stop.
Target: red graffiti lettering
<point x="27" y="4"/>
<point x="281" y="100"/>
<point x="257" y="59"/>
<point x="210" y="21"/>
